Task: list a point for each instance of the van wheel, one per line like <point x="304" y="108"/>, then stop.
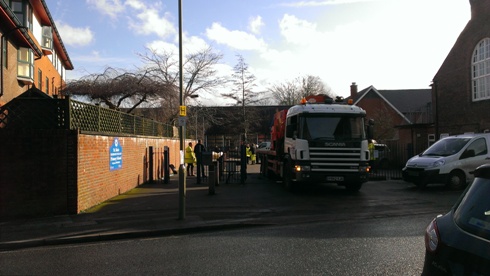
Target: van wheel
<point x="456" y="180"/>
<point x="421" y="184"/>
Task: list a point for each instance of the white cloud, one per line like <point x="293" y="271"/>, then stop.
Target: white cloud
<point x="95" y="57"/>
<point x="324" y="3"/>
<point x="160" y="47"/>
<point x="297" y="31"/>
<point x="75" y="36"/>
<point x="235" y="39"/>
<point x="191" y="44"/>
<point x="255" y="24"/>
<point x="142" y="18"/>
<point x="149" y="23"/>
<point x="108" y="7"/>
<point x="147" y="20"/>
<point x="135" y="4"/>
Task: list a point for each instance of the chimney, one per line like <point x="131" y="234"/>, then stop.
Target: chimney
<point x="479" y="8"/>
<point x="353" y="91"/>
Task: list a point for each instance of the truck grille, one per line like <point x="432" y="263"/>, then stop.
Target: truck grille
<point x="335" y="159"/>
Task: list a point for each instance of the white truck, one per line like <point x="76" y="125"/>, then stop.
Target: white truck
<point x="318" y="141"/>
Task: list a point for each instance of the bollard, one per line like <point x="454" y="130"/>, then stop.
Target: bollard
<point x="218" y="172"/>
<point x="166" y="165"/>
<point x="212" y="178"/>
<point x="150" y="165"/>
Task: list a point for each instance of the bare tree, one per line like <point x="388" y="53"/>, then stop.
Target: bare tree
<point x="286" y="93"/>
<point x="199" y="75"/>
<point x="313" y="85"/>
<point x="243" y="82"/>
<point x="199" y="71"/>
<point x="118" y="88"/>
<point x="155" y="85"/>
<point x="291" y="92"/>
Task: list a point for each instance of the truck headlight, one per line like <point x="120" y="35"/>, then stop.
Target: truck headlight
<point x="298" y="168"/>
<point x="364" y="168"/>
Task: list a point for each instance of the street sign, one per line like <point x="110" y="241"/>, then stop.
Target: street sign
<point x="183" y="110"/>
<point x="115" y="155"/>
<point x="182" y="121"/>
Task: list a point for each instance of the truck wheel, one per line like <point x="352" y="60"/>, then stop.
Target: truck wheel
<point x="456" y="180"/>
<point x="263" y="166"/>
<point x="353" y="187"/>
<point x="288" y="182"/>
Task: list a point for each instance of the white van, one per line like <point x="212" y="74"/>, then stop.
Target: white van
<point x="450" y="161"/>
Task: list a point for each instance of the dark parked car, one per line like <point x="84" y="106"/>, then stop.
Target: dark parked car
<point x="458" y="243"/>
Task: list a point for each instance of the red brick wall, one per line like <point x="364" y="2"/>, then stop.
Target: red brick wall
<point x="384" y="116"/>
<point x="53" y="172"/>
<point x="454" y="110"/>
<point x="97" y="183"/>
<point x="33" y="172"/>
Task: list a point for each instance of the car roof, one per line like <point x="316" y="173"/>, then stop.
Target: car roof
<point x="469" y="135"/>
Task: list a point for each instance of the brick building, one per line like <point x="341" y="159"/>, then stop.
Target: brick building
<point x="461" y="87"/>
<point x="33" y="53"/>
<point x="403" y="118"/>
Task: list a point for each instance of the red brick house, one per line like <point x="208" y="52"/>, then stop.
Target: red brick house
<point x="461" y="87"/>
<point x="403" y="118"/>
<point x="32" y="52"/>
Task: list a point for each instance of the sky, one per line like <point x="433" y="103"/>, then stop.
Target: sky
<point x="390" y="44"/>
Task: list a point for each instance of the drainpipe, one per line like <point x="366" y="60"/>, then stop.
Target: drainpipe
<point x="5" y="35"/>
<point x="436" y="105"/>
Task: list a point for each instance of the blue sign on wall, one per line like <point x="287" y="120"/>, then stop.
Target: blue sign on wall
<point x="115" y="157"/>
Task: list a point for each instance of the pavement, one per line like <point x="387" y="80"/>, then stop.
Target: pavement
<point x="151" y="209"/>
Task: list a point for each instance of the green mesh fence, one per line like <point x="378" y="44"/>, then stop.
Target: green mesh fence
<point x="49" y="113"/>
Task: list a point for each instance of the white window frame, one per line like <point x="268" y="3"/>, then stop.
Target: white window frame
<point x="47" y="37"/>
<point x="480" y="71"/>
<point x="25" y="63"/>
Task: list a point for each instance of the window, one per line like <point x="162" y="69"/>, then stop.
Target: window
<point x="47" y="42"/>
<point x="481" y="71"/>
<point x="472" y="213"/>
<point x="39" y="78"/>
<point x="331" y="127"/>
<point x="47" y="85"/>
<point x="478" y="147"/>
<point x="25" y="63"/>
<point x="4" y="51"/>
<point x="23" y="12"/>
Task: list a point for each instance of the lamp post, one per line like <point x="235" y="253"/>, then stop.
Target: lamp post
<point x="182" y="172"/>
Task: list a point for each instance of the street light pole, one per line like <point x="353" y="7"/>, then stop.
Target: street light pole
<point x="182" y="172"/>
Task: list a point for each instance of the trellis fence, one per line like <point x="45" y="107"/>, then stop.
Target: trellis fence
<point x="40" y="111"/>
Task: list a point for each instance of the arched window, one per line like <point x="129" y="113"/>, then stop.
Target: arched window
<point x="481" y="70"/>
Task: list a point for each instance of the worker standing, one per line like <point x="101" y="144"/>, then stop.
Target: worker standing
<point x="189" y="159"/>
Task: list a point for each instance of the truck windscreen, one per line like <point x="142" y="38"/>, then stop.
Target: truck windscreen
<point x="327" y="127"/>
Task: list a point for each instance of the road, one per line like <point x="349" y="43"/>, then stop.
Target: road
<point x="385" y="246"/>
<point x="324" y="231"/>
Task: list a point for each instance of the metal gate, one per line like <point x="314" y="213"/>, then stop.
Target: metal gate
<point x="391" y="159"/>
<point x="231" y="167"/>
